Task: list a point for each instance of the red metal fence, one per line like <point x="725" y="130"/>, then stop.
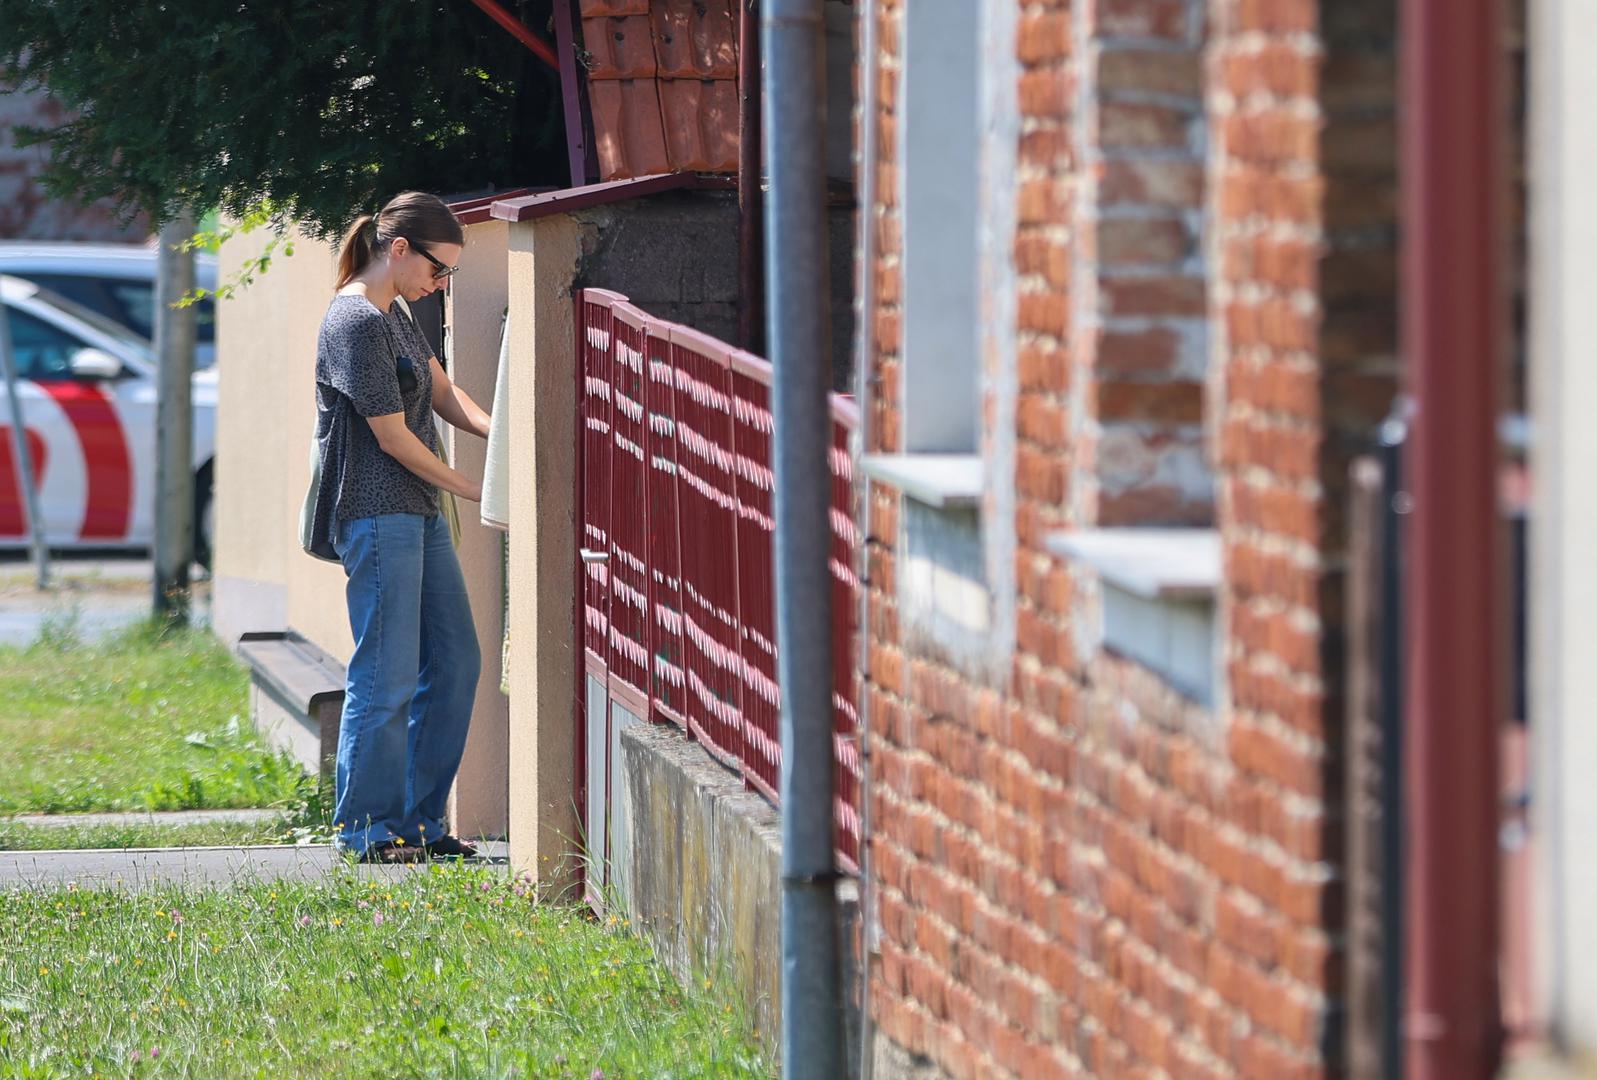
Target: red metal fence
<point x="678" y="492"/>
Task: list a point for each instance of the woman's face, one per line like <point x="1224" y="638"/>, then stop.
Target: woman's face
<point x="415" y="275"/>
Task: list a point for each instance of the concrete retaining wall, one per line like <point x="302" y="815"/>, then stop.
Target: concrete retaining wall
<point x="696" y="864"/>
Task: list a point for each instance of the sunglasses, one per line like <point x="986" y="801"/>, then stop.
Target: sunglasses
<point x="443" y="273"/>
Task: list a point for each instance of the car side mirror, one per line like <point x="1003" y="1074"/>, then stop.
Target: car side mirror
<point x="95" y="364"/>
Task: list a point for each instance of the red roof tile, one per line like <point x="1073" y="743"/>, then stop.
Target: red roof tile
<point x="695" y="39"/>
<point x="627" y="129"/>
<point x="662" y="85"/>
<point x="619" y="48"/>
<point x="701" y="123"/>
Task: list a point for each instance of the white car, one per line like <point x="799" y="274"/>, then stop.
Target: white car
<point x="116" y="280"/>
<point x="87" y="387"/>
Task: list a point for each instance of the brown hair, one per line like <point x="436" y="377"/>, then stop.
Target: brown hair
<point x="415" y="215"/>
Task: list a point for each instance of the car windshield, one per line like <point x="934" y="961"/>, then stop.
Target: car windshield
<point x="109" y="327"/>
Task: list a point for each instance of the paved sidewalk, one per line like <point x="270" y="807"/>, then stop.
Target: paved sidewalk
<point x="161" y="818"/>
<point x="93" y="594"/>
<point x="137" y="868"/>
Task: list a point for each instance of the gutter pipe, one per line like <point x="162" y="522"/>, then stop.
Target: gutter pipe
<point x="1455" y="694"/>
<point x="799" y="325"/>
<point x="751" y="194"/>
<point x="864" y="358"/>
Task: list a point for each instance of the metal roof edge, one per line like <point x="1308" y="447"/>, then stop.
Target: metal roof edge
<point x="564" y="200"/>
<point x="474" y="210"/>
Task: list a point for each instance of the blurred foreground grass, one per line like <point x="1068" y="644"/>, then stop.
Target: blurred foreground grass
<point x="446" y="972"/>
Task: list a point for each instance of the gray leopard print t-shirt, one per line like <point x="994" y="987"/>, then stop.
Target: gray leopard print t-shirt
<point x="358" y="376"/>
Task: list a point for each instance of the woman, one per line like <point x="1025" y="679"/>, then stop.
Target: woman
<point x="414" y="670"/>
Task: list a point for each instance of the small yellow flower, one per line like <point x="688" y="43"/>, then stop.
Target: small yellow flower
<point x="170" y="934"/>
<point x="43" y="971"/>
<point x="338" y="922"/>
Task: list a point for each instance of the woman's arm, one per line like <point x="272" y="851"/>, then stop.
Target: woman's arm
<point x="401" y="444"/>
<point x="455" y="405"/>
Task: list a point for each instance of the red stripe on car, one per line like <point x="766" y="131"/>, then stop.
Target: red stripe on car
<point x="109" y="500"/>
<point x="13" y="516"/>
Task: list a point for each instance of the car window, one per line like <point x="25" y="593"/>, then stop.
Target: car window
<point x="135" y="300"/>
<point x="128" y="301"/>
<point x="134" y="304"/>
<point x="84" y="290"/>
<point x="42" y="351"/>
<point x="95" y="321"/>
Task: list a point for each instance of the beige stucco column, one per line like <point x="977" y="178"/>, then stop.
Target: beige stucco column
<point x="544" y="647"/>
<point x="477" y="297"/>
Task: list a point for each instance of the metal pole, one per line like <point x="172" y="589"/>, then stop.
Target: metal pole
<point x="1455" y="693"/>
<point x="22" y="458"/>
<point x="174" y="421"/>
<point x="864" y="378"/>
<point x="799" y="321"/>
<point x="751" y="194"/>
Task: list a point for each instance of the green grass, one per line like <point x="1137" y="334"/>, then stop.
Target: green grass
<point x="15" y="836"/>
<point x="450" y="972"/>
<point x="147" y="720"/>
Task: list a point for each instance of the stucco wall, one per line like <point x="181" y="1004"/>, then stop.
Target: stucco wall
<point x="266" y="349"/>
<point x="475" y="312"/>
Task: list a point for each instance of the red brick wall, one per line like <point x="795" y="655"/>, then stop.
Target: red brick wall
<point x="1078" y="872"/>
<point x="1140" y="344"/>
<point x="26" y="211"/>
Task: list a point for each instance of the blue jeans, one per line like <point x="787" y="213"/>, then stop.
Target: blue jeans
<point x="411" y="680"/>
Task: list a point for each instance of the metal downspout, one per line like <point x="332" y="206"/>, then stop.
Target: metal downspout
<point x="751" y="193"/>
<point x="1452" y="302"/>
<point x="864" y="358"/>
<point x="799" y="321"/>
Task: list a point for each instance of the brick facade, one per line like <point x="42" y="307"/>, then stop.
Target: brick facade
<point x="27" y="212"/>
<point x="1076" y="871"/>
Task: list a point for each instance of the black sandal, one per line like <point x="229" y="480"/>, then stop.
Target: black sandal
<point x="392" y="851"/>
<point x="451" y="847"/>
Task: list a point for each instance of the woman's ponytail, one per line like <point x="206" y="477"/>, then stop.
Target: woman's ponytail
<point x="358" y="249"/>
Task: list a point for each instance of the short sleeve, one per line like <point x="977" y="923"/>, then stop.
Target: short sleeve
<point x="355" y="359"/>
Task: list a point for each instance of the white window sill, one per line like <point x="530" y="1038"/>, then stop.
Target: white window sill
<point x="946" y="481"/>
<point x="1158" y="590"/>
<point x="1156" y="564"/>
